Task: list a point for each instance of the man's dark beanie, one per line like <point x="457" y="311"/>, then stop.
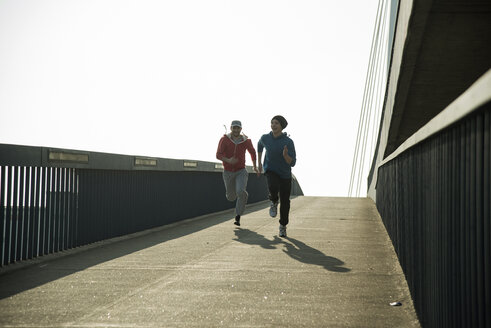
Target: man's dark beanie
<point x="282" y="121"/>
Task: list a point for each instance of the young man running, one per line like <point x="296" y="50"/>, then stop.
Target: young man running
<point x="231" y="151"/>
<point x="278" y="162"/>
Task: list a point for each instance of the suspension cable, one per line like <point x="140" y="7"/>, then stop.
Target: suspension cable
<point x="374" y="90"/>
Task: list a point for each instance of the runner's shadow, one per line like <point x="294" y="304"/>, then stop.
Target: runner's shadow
<point x="294" y="248"/>
<point x="250" y="237"/>
<point x="306" y="254"/>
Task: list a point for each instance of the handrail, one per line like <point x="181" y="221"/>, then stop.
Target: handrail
<point x="58" y="157"/>
<point x="21" y="155"/>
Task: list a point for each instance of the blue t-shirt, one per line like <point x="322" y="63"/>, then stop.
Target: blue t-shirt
<point x="274" y="160"/>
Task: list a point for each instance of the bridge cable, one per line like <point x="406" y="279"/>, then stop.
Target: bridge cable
<point x="374" y="99"/>
<point x="362" y="112"/>
<point x="371" y="102"/>
<point x="361" y="124"/>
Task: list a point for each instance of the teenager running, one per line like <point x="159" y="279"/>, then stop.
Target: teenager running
<point x="278" y="162"/>
<point x="231" y="151"/>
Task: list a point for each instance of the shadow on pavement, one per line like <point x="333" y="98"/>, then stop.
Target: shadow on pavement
<point x="36" y="272"/>
<point x="294" y="248"/>
<point x="306" y="254"/>
<point x="250" y="237"/>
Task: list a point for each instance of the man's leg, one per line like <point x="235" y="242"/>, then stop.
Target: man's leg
<point x="240" y="190"/>
<point x="273" y="186"/>
<point x="285" y="190"/>
<point x="229" y="181"/>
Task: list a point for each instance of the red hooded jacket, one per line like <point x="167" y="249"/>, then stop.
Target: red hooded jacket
<point x="228" y="148"/>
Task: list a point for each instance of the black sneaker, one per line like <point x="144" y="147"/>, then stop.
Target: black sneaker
<point x="237" y="220"/>
<point x="282" y="231"/>
<point x="273" y="209"/>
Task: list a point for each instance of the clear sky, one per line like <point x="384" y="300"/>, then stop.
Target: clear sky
<point x="162" y="78"/>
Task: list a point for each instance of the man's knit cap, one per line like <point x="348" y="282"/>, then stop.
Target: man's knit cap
<point x="280" y="119"/>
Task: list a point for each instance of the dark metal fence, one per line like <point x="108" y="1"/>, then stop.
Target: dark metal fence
<point x="38" y="211"/>
<point x="434" y="200"/>
<point x="55" y="199"/>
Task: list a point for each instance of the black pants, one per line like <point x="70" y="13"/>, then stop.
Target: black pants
<point x="283" y="187"/>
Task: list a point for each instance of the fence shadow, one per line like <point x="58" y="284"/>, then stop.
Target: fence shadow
<point x="32" y="273"/>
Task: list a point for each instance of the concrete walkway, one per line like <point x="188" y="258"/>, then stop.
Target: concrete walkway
<point x="336" y="268"/>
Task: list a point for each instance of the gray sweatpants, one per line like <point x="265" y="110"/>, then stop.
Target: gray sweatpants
<point x="235" y="188"/>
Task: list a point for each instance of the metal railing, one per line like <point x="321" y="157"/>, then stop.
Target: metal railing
<point x="56" y="199"/>
<point x="433" y="195"/>
<point x="38" y="211"/>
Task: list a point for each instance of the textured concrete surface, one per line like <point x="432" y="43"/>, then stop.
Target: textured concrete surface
<point x="336" y="268"/>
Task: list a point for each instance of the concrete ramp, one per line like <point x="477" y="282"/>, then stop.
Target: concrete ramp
<point x="336" y="268"/>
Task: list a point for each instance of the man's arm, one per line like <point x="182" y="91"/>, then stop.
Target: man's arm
<point x="260" y="163"/>
<point x="231" y="160"/>
<point x="221" y="156"/>
<point x="252" y="152"/>
<point x="260" y="147"/>
<point x="287" y="157"/>
<point x="289" y="154"/>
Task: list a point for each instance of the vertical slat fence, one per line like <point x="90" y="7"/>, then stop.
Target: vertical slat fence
<point x="434" y="199"/>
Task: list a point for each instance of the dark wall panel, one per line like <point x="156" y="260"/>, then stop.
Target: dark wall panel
<point x="434" y="201"/>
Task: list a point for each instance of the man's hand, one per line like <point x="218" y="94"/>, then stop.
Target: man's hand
<point x="231" y="160"/>
<point x="287" y="158"/>
<point x="256" y="170"/>
<point x="260" y="163"/>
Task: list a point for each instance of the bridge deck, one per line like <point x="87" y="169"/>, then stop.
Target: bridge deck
<point x="337" y="268"/>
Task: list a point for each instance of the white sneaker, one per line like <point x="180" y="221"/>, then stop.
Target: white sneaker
<point x="282" y="230"/>
<point x="273" y="210"/>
